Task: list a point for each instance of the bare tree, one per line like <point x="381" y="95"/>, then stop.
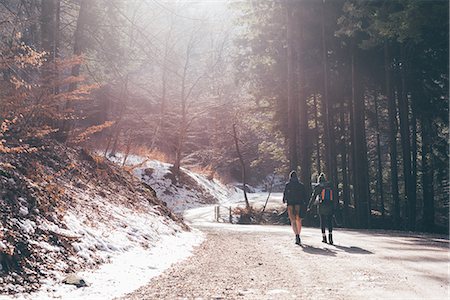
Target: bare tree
<point x="241" y="160"/>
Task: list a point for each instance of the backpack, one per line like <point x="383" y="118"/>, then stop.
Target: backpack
<point x="326" y="196"/>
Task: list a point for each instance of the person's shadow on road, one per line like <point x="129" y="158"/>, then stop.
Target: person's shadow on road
<point x="321" y="251"/>
<point x="353" y="249"/>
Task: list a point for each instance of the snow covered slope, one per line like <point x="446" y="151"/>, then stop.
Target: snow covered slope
<point x="64" y="210"/>
<point x="191" y="190"/>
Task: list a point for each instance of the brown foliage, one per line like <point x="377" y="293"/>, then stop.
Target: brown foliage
<point x="35" y="99"/>
<point x="81" y="135"/>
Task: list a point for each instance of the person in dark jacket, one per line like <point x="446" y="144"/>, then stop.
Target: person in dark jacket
<point x="295" y="197"/>
<point x="323" y="197"/>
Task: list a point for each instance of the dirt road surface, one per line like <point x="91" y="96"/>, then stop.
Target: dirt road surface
<point x="262" y="262"/>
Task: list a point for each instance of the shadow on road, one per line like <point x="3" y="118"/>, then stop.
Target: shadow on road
<point x="424" y="241"/>
<point x="353" y="249"/>
<point x="320" y="251"/>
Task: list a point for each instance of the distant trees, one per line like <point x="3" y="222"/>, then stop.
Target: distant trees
<point x="153" y="63"/>
<point x="170" y="75"/>
<point x="364" y="80"/>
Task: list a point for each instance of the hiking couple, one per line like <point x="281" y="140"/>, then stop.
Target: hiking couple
<point x="295" y="196"/>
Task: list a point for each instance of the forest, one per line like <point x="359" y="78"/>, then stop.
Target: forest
<point x="243" y="90"/>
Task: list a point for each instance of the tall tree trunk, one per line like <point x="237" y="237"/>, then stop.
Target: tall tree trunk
<point x="361" y="176"/>
<point x="316" y="125"/>
<point x="57" y="38"/>
<point x="345" y="179"/>
<point x="78" y="46"/>
<point x="403" y="106"/>
<point x="182" y="129"/>
<point x="30" y="35"/>
<point x="392" y="114"/>
<point x="48" y="22"/>
<point x="380" y="164"/>
<point x="427" y="173"/>
<point x="164" y="80"/>
<point x="241" y="160"/>
<point x="305" y="161"/>
<point x="326" y="103"/>
<point x="115" y="144"/>
<point x="414" y="181"/>
<point x="352" y="167"/>
<point x="117" y="127"/>
<point x="78" y="42"/>
<point x="291" y="88"/>
<point x="162" y="110"/>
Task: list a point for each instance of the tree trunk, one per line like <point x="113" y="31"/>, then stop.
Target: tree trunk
<point x="30" y="35"/>
<point x="182" y="129"/>
<point x="66" y="124"/>
<point x="48" y="23"/>
<point x="115" y="141"/>
<point x="304" y="143"/>
<point x="352" y="167"/>
<point x="78" y="43"/>
<point x="361" y="176"/>
<point x="414" y="181"/>
<point x="57" y="40"/>
<point x="392" y="114"/>
<point x="403" y="106"/>
<point x="326" y="103"/>
<point x="345" y="181"/>
<point x="108" y="144"/>
<point x="316" y="125"/>
<point x="427" y="173"/>
<point x="291" y="90"/>
<point x="380" y="164"/>
<point x="241" y="160"/>
<point x="162" y="110"/>
<point x="128" y="147"/>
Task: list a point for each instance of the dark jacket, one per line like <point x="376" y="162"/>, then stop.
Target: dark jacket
<point x="324" y="208"/>
<point x="295" y="193"/>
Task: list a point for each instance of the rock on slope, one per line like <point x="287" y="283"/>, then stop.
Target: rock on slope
<point x="63" y="210"/>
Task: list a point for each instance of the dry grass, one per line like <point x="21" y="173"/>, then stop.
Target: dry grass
<point x="153" y="154"/>
<point x="246" y="215"/>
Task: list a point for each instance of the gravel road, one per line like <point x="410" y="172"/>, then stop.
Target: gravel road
<point x="262" y="262"/>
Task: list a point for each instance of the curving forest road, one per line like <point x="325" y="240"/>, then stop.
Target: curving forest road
<point x="262" y="262"/>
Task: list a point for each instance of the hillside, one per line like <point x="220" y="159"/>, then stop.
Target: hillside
<point x="65" y="210"/>
<point x="190" y="190"/>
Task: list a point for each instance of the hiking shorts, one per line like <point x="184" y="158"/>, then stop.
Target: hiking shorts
<point x="298" y="208"/>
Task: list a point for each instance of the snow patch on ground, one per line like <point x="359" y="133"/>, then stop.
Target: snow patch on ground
<point x="180" y="197"/>
<point x="127" y="247"/>
<point x="126" y="272"/>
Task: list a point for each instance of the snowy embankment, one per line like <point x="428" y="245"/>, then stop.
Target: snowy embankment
<point x="133" y="245"/>
<point x="190" y="191"/>
<point x="137" y="245"/>
<point x="102" y="225"/>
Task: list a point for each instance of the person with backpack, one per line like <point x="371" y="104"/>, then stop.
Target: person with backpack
<point x="295" y="197"/>
<point x="323" y="197"/>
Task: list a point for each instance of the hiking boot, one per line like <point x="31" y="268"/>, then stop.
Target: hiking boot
<point x="297" y="239"/>
<point x="324" y="239"/>
<point x="330" y="238"/>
